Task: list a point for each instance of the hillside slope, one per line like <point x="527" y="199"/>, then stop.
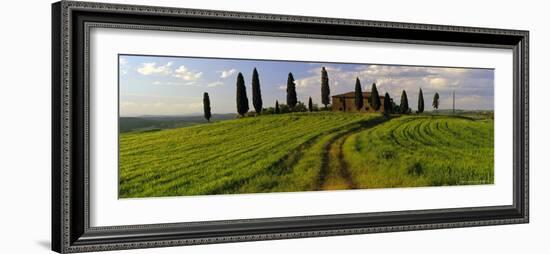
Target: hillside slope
<point x="223" y="157"/>
<point x="307" y="152"/>
<point x="422" y="151"/>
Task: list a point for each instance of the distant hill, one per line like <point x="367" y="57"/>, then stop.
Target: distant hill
<point x="476" y="114"/>
<point x="459" y="111"/>
<point x="151" y="123"/>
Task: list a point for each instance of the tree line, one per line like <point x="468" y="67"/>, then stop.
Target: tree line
<point x="389" y="106"/>
<point x="293" y="105"/>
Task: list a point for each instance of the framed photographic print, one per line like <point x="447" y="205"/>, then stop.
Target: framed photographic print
<point x="181" y="126"/>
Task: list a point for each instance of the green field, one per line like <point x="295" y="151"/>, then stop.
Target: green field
<point x="306" y="152"/>
<point x="422" y="151"/>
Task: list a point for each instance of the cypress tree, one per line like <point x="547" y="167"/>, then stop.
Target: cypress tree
<point x="435" y="103"/>
<point x="404" y="106"/>
<point x="291" y="99"/>
<point x="358" y="95"/>
<point x="310" y="105"/>
<point x="242" y="100"/>
<point x="256" y="92"/>
<point x="277" y="110"/>
<point x="374" y="98"/>
<point x="206" y="105"/>
<point x="325" y="89"/>
<point x="420" y="101"/>
<point x="387" y="104"/>
<point x="394" y="107"/>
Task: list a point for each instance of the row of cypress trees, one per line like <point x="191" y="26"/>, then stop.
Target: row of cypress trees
<point x="404" y="105"/>
<point x="388" y="102"/>
<point x="291" y="97"/>
<point x="375" y="102"/>
<point x="374" y="96"/>
<point x="242" y="99"/>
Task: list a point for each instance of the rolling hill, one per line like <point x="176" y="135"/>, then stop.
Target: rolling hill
<point x="148" y="123"/>
<point x="306" y="152"/>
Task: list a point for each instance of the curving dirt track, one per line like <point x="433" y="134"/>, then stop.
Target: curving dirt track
<point x="334" y="173"/>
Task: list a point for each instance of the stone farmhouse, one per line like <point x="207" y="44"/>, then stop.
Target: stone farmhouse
<point x="346" y="103"/>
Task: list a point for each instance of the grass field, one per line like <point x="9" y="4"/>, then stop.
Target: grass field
<point x="224" y="157"/>
<point x="305" y="152"/>
<point x="422" y="151"/>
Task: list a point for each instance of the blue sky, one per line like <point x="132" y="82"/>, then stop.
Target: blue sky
<point x="157" y="85"/>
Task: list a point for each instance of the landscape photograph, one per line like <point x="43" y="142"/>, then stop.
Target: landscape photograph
<point x="206" y="126"/>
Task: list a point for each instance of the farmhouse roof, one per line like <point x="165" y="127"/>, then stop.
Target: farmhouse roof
<point x="352" y="95"/>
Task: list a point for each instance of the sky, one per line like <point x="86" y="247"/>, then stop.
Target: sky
<point x="159" y="85"/>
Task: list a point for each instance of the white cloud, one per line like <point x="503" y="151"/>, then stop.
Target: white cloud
<point x="192" y="83"/>
<point x="438" y="82"/>
<point x="227" y="73"/>
<point x="178" y="83"/>
<point x="188" y="75"/>
<point x="306" y="82"/>
<point x="215" y="84"/>
<point x="152" y="68"/>
<point x="309" y="81"/>
<point x="328" y="68"/>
